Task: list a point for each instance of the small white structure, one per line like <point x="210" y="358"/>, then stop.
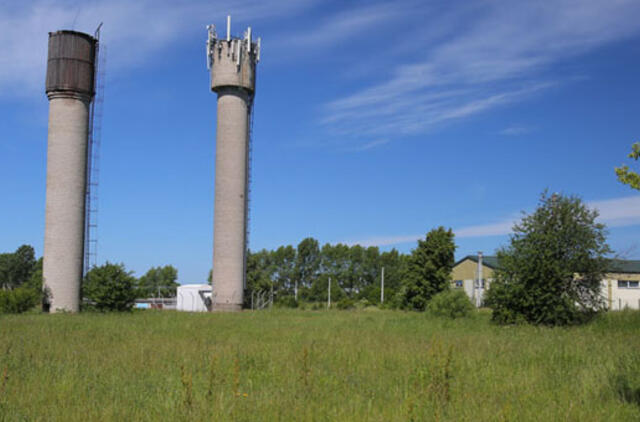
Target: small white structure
<point x="194" y="298"/>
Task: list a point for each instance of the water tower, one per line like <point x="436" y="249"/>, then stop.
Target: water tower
<point x="70" y="89"/>
<point x="232" y="65"/>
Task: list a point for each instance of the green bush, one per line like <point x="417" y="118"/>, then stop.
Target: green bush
<point x="286" y="302"/>
<point x="450" y="304"/>
<point x="345" y="304"/>
<point x="318" y="306"/>
<point x="110" y="288"/>
<point x="18" y="300"/>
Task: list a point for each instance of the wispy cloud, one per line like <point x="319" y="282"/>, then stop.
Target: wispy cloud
<point x="515" y="131"/>
<point x="497" y="58"/>
<point x="617" y="212"/>
<point x="342" y="27"/>
<point x="134" y="30"/>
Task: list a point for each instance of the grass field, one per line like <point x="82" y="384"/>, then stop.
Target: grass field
<point x="365" y="365"/>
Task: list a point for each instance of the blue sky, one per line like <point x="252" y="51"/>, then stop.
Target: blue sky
<point x="374" y="121"/>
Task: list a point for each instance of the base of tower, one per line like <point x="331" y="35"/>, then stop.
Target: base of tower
<point x="226" y="307"/>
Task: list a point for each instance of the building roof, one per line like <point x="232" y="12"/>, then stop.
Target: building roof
<point x="488" y="261"/>
<point x="624" y="266"/>
<point x="615" y="266"/>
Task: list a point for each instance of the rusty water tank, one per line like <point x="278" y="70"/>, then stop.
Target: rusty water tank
<point x="71" y="63"/>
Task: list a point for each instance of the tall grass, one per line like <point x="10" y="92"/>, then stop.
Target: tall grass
<point x="313" y="365"/>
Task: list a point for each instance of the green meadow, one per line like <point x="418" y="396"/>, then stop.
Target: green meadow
<point x="285" y="365"/>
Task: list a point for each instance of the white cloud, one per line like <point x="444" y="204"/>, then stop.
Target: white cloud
<point x="617" y="212"/>
<point x="134" y="31"/>
<point x="341" y="27"/>
<point x="498" y="57"/>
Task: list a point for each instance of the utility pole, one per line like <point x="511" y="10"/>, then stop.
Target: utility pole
<point x="329" y="295"/>
<point x="382" y="287"/>
<point x="479" y="291"/>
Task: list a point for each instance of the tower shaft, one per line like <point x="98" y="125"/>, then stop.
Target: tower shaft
<point x="232" y="62"/>
<point x="230" y="207"/>
<point x="69" y="87"/>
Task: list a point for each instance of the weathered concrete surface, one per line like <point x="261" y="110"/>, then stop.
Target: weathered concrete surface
<point x="65" y="201"/>
<point x="228" y="71"/>
<point x="70" y="88"/>
<point x="233" y="65"/>
<point x="230" y="209"/>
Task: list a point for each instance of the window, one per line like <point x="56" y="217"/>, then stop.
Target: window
<point x="631" y="284"/>
<point x="459" y="284"/>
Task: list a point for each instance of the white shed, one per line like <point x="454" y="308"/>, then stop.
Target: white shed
<point x="194" y="298"/>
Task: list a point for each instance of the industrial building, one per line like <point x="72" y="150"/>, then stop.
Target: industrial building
<point x="620" y="288"/>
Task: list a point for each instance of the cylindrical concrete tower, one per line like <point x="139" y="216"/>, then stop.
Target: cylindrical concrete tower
<point x="70" y="88"/>
<point x="232" y="62"/>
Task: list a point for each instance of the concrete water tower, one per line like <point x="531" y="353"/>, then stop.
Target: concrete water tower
<point x="70" y="89"/>
<point x="232" y="65"/>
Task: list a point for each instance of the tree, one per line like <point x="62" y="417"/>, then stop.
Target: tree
<point x="158" y="282"/>
<point x="551" y="271"/>
<point x="429" y="269"/>
<point x="16" y="268"/>
<point x="35" y="279"/>
<point x="284" y="264"/>
<point x="627" y="176"/>
<point x="259" y="270"/>
<point x="110" y="287"/>
<point x="307" y="262"/>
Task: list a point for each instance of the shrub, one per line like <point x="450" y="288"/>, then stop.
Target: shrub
<point x="450" y="304"/>
<point x="18" y="300"/>
<point x="363" y="303"/>
<point x="110" y="287"/>
<point x="345" y="304"/>
<point x="286" y="302"/>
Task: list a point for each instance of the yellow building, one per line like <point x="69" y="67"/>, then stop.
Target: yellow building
<point x="620" y="288"/>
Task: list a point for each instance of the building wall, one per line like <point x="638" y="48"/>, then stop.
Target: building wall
<point x="468" y="270"/>
<point x="616" y="298"/>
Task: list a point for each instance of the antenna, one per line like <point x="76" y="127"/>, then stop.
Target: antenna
<point x="96" y="34"/>
<point x="211" y="40"/>
<point x="258" y="56"/>
<point x="249" y="39"/>
<point x="228" y="28"/>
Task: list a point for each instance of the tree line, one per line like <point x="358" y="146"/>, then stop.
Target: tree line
<point x="107" y="287"/>
<point x="303" y="273"/>
<point x="549" y="273"/>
